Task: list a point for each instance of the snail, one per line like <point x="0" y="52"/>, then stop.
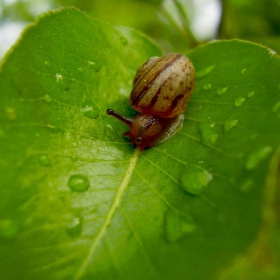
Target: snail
<point x="162" y="88"/>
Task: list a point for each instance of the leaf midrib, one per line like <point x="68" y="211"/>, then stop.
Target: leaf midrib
<point x="110" y="214"/>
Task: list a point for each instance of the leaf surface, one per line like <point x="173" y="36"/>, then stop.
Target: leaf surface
<point x="79" y="202"/>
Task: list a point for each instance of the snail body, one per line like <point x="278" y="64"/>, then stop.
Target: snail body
<point x="162" y="88"/>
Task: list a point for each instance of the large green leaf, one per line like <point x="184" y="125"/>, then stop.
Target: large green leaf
<point x="78" y="201"/>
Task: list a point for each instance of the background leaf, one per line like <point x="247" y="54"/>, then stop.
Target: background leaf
<point x="78" y="201"/>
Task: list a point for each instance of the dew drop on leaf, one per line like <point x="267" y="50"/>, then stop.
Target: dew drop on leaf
<point x="194" y="180"/>
<point x="47" y="64"/>
<point x="208" y="86"/>
<point x="11" y="113"/>
<point x="78" y="183"/>
<point x="177" y="225"/>
<point x="8" y="228"/>
<point x="47" y="98"/>
<point x="247" y="185"/>
<point x="250" y="94"/>
<point x="124" y="41"/>
<point x="74" y="158"/>
<point x="221" y="91"/>
<point x="207" y="135"/>
<point x="214" y="137"/>
<point x="203" y="72"/>
<point x="243" y="71"/>
<point x="254" y="158"/>
<point x="88" y="111"/>
<point x="239" y="101"/>
<point x="74" y="228"/>
<point x="229" y="125"/>
<point x="109" y="126"/>
<point x="45" y="160"/>
<point x="95" y="66"/>
<point x="212" y="124"/>
<point x="55" y="129"/>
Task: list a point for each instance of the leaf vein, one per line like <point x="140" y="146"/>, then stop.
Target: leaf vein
<point x="110" y="214"/>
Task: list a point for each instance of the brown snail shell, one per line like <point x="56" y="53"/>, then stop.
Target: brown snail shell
<point x="161" y="91"/>
<point x="163" y="86"/>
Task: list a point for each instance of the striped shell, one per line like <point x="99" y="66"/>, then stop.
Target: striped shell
<point x="163" y="86"/>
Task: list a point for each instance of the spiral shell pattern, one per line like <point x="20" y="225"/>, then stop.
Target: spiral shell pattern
<point x="163" y="86"/>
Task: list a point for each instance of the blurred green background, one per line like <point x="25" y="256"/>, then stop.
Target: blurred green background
<point x="176" y="25"/>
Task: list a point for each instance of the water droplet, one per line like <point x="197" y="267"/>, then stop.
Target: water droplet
<point x="247" y="185"/>
<point x="205" y="71"/>
<point x="208" y="86"/>
<point x="74" y="228"/>
<point x="47" y="64"/>
<point x="88" y="111"/>
<point x="177" y="226"/>
<point x="250" y="94"/>
<point x="124" y="41"/>
<point x="8" y="228"/>
<point x="255" y="157"/>
<point x="45" y="160"/>
<point x="2" y="133"/>
<point x="212" y="124"/>
<point x="47" y="98"/>
<point x="11" y="113"/>
<point x="74" y="158"/>
<point x="78" y="183"/>
<point x="55" y="129"/>
<point x="81" y="70"/>
<point x="276" y="107"/>
<point x="62" y="196"/>
<point x="243" y="71"/>
<point x="229" y="125"/>
<point x="206" y="133"/>
<point x="194" y="180"/>
<point x="95" y="66"/>
<point x="239" y="101"/>
<point x="221" y="91"/>
<point x="214" y="137"/>
<point x="109" y="126"/>
<point x="58" y="77"/>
